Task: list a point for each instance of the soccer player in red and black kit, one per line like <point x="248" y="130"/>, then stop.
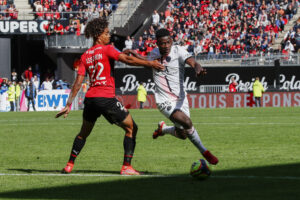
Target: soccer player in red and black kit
<point x="100" y="97"/>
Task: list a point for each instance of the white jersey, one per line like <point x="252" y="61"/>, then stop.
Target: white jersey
<point x="169" y="83"/>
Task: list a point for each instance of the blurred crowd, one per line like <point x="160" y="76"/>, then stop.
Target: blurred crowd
<point x="8" y="10"/>
<point x="223" y="27"/>
<point x="71" y="16"/>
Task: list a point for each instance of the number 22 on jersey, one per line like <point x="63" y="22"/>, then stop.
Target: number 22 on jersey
<point x="96" y="76"/>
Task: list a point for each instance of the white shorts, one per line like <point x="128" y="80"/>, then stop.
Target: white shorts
<point x="168" y="107"/>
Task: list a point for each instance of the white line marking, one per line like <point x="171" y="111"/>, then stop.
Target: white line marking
<point x="159" y="176"/>
<point x="204" y="123"/>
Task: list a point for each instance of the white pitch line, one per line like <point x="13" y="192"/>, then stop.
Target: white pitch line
<point x="198" y="123"/>
<point x="159" y="176"/>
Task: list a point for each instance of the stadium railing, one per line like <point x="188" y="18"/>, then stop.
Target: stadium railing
<point x="213" y="88"/>
<point x="67" y="41"/>
<point x="242" y="60"/>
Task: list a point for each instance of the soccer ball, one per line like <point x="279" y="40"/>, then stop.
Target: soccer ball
<point x="200" y="169"/>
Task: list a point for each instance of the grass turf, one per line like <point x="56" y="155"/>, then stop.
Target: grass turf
<point x="258" y="149"/>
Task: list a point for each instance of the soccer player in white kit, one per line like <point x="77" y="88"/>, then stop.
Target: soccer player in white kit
<point x="170" y="96"/>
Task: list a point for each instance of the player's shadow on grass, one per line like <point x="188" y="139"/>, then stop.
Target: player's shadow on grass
<point x="30" y="171"/>
<point x="59" y="171"/>
<point x="270" y="182"/>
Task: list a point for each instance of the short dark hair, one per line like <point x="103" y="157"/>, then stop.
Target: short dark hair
<point x="162" y="33"/>
<point x="95" y="28"/>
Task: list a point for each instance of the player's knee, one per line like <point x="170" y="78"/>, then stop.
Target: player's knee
<point x="180" y="133"/>
<point x="189" y="124"/>
<point x="183" y="137"/>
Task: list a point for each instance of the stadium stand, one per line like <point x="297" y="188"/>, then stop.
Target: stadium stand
<point x="71" y="16"/>
<point x="8" y="10"/>
<point x="220" y="27"/>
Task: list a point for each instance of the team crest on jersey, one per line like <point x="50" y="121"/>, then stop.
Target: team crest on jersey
<point x="169" y="108"/>
<point x="165" y="105"/>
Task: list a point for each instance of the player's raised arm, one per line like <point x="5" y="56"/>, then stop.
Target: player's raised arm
<point x="75" y="88"/>
<point x="134" y="53"/>
<point x="141" y="61"/>
<point x="198" y="69"/>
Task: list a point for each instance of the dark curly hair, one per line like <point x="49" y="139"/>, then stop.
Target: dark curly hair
<point x="95" y="27"/>
<point x="162" y="33"/>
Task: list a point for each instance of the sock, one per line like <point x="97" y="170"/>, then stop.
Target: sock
<point x="129" y="146"/>
<point x="192" y="134"/>
<point x="169" y="130"/>
<point x="77" y="146"/>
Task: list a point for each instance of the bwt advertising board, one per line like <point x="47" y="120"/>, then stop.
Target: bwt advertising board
<point x="47" y="100"/>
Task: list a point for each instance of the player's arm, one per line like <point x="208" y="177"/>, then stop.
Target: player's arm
<point x="198" y="69"/>
<point x="75" y="88"/>
<point x="131" y="60"/>
<point x="134" y="53"/>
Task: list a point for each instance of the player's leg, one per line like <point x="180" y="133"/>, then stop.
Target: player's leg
<point x="78" y="144"/>
<point x="179" y="117"/>
<point x="168" y="108"/>
<point x="130" y="128"/>
<point x="115" y="113"/>
<point x="90" y="115"/>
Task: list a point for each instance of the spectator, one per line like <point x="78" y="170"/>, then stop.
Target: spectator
<point x="46" y="85"/>
<point x="139" y="45"/>
<point x="14" y="75"/>
<point x="54" y="6"/>
<point x="128" y="43"/>
<point x="30" y="94"/>
<point x="27" y="74"/>
<point x="62" y="85"/>
<point x="114" y="4"/>
<point x="18" y="94"/>
<point x="65" y="85"/>
<point x="198" y="49"/>
<point x="155" y="19"/>
<point x="11" y="95"/>
<point x="297" y="39"/>
<point x="59" y="29"/>
<point x="258" y="89"/>
<point x="232" y="85"/>
<point x="141" y="94"/>
<point x="37" y="6"/>
<point x="36" y="82"/>
<point x="4" y="85"/>
<point x="108" y="7"/>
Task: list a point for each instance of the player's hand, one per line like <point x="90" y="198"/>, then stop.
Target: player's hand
<point x="157" y="65"/>
<point x="200" y="71"/>
<point x="65" y="111"/>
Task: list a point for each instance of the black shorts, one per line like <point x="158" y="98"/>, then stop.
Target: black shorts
<point x="110" y="108"/>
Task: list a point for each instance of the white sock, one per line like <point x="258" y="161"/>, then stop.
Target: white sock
<point x="192" y="134"/>
<point x="169" y="130"/>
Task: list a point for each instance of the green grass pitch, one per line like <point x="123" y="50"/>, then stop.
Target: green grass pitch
<point x="258" y="151"/>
